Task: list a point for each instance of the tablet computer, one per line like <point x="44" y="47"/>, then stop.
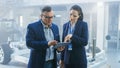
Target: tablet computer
<point x="61" y="44"/>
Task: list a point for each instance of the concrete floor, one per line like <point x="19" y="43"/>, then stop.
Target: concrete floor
<point x="113" y="57"/>
<point x="112" y="54"/>
<point x="14" y="64"/>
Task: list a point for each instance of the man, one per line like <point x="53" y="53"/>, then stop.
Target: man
<point x="40" y="38"/>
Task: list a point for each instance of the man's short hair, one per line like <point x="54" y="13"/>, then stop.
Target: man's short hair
<point x="46" y="9"/>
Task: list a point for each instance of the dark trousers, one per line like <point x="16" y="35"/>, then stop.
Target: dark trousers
<point x="75" y="66"/>
<point x="49" y="64"/>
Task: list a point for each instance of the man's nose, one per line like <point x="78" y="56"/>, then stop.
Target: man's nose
<point x="50" y="19"/>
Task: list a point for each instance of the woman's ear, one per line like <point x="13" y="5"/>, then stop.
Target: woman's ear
<point x="79" y="15"/>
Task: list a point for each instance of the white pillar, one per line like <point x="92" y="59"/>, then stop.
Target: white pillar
<point x="100" y="25"/>
<point x="105" y="45"/>
<point x="90" y="30"/>
<point x="11" y="14"/>
<point x="118" y="44"/>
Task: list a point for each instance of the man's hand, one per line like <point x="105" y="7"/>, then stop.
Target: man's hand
<point x="52" y="43"/>
<point x="61" y="64"/>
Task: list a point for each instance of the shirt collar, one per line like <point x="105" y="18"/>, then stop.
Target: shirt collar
<point x="72" y="25"/>
<point x="45" y="25"/>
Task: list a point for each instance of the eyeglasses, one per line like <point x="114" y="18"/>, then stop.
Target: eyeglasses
<point x="48" y="17"/>
<point x="73" y="15"/>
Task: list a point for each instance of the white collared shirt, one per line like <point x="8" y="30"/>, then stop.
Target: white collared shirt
<point x="49" y="36"/>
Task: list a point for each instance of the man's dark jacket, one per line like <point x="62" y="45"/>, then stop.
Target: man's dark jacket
<point x="36" y="41"/>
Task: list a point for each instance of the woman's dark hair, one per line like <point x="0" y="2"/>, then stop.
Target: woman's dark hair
<point x="78" y="8"/>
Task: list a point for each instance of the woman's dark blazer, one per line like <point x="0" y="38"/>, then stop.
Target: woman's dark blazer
<point x="79" y="41"/>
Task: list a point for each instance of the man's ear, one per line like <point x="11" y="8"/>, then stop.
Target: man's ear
<point x="40" y="16"/>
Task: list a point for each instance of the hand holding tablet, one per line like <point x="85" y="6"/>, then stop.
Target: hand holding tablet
<point x="61" y="44"/>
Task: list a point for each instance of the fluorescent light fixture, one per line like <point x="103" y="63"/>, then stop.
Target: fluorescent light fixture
<point x="21" y="21"/>
<point x="100" y="4"/>
<point x="57" y="15"/>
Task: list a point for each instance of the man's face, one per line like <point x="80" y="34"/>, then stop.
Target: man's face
<point x="47" y="17"/>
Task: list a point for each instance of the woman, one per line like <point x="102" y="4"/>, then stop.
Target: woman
<point x="75" y="31"/>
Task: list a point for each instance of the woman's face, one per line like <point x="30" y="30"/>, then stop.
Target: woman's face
<point x="74" y="15"/>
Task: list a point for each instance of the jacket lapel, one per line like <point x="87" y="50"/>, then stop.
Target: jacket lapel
<point x="53" y="30"/>
<point x="41" y="30"/>
<point x="78" y="27"/>
<point x="66" y="28"/>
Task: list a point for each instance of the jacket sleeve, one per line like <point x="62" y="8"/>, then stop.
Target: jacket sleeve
<point x="62" y="53"/>
<point x="31" y="42"/>
<point x="83" y="38"/>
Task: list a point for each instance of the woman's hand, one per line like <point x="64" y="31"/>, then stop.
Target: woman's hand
<point x="68" y="38"/>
